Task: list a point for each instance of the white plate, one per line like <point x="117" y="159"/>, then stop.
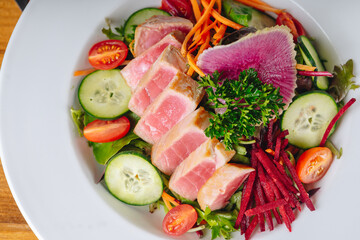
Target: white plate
<point x="51" y="171"/>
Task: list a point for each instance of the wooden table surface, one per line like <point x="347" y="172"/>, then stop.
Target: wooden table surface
<point x="12" y="224"/>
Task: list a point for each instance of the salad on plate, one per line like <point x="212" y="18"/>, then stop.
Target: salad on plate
<point x="220" y="111"/>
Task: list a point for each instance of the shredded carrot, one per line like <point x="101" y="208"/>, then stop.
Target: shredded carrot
<point x="193" y="65"/>
<point x="204" y="46"/>
<point x="218" y="3"/>
<point x="131" y="47"/>
<point x="167" y="204"/>
<point x="270" y="151"/>
<point x="90" y="70"/>
<point x="220" y="18"/>
<point x="305" y="67"/>
<point x="260" y="6"/>
<point x="168" y="200"/>
<point x="261" y="2"/>
<point x="201" y="35"/>
<point x="84" y="72"/>
<point x="199" y="23"/>
<point x="219" y="34"/>
<point x="196" y="9"/>
<point x="208" y="16"/>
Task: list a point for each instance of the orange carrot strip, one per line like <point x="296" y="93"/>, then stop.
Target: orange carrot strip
<point x="207" y="29"/>
<point x="218" y="3"/>
<point x="190" y="72"/>
<point x="204" y="46"/>
<point x="220" y="18"/>
<point x="261" y="3"/>
<point x="84" y="72"/>
<point x="225" y="21"/>
<point x="305" y="67"/>
<point x="167" y="204"/>
<point x="196" y="9"/>
<point x="199" y="23"/>
<point x="166" y="200"/>
<point x="221" y="32"/>
<point x="193" y="65"/>
<point x="169" y="199"/>
<point x="131" y="47"/>
<point x="260" y="6"/>
<point x="270" y="151"/>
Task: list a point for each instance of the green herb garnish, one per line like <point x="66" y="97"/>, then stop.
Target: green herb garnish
<point x="119" y="31"/>
<point x="245" y="103"/>
<point x="342" y="82"/>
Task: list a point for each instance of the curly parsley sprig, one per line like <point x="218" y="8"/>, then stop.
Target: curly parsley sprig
<point x="245" y="103"/>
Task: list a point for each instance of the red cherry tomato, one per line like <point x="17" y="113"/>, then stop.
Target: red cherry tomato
<point x="107" y="54"/>
<point x="102" y="131"/>
<point x="179" y="220"/>
<point x="295" y="26"/>
<point x="180" y="8"/>
<point x="313" y="164"/>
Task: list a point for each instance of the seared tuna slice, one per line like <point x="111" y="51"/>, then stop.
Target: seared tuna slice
<point x="180" y="141"/>
<point x="137" y="67"/>
<point x="156" y="79"/>
<point x="222" y="155"/>
<point x="218" y="189"/>
<point x="157" y="27"/>
<point x="194" y="171"/>
<point x="269" y="51"/>
<point x="178" y="99"/>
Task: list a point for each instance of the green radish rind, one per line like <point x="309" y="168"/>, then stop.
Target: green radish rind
<point x="104" y="94"/>
<point x="138" y="18"/>
<point x="311" y="58"/>
<point x="307" y="118"/>
<point x="132" y="179"/>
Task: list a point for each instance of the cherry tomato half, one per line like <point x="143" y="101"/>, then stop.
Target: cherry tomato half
<point x="179" y="220"/>
<point x="313" y="164"/>
<point x="179" y="8"/>
<point x="107" y="54"/>
<point x="102" y="131"/>
<point x="295" y="26"/>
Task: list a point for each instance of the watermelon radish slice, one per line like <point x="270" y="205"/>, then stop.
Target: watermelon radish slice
<point x="269" y="51"/>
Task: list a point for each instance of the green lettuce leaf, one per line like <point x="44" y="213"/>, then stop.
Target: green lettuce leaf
<point x="220" y="223"/>
<point x="342" y="82"/>
<point x="104" y="151"/>
<point x="78" y="119"/>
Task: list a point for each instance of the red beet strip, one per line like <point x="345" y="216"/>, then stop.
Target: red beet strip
<point x="260" y="216"/>
<point x="273" y="172"/>
<point x="284" y="143"/>
<point x="266" y="207"/>
<point x="301" y="188"/>
<point x="246" y="194"/>
<point x="268" y="216"/>
<point x="335" y="119"/>
<point x="268" y="192"/>
<point x="270" y="143"/>
<point x="251" y="227"/>
<point x="277" y="149"/>
<point x="315" y="73"/>
<point x="281" y="208"/>
<point x="289" y="212"/>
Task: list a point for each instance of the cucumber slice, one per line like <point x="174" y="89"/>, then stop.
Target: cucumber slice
<point x="138" y="18"/>
<point x="132" y="179"/>
<point x="104" y="94"/>
<point x="307" y="118"/>
<point x="246" y="16"/>
<point x="311" y="58"/>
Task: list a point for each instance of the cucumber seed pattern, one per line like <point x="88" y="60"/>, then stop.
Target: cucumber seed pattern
<point x="134" y="180"/>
